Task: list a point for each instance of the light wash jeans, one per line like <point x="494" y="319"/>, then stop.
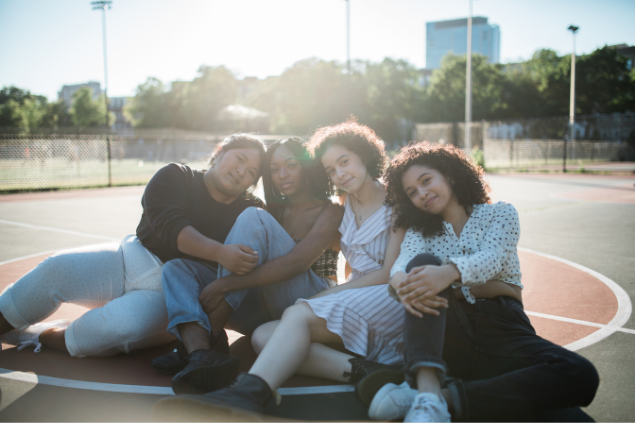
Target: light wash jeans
<point x="184" y="280"/>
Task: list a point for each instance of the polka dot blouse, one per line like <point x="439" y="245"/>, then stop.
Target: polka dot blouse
<point x="485" y="250"/>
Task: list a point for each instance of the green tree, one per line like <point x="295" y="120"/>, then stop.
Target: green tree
<point x="56" y="115"/>
<point x="20" y="109"/>
<point x="445" y="99"/>
<point x="87" y="111"/>
<point x="393" y="96"/>
<point x="309" y="94"/>
<point x="147" y="108"/>
<point x="202" y="99"/>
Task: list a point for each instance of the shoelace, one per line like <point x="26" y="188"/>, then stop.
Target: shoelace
<point x="24" y="344"/>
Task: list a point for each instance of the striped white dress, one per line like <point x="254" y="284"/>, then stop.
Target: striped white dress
<point x="368" y="320"/>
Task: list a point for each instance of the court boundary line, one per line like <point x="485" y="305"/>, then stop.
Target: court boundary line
<point x="64" y="231"/>
<point x="624" y="305"/>
<point x="623" y="313"/>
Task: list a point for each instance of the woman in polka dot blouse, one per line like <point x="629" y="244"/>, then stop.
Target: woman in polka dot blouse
<point x="462" y="248"/>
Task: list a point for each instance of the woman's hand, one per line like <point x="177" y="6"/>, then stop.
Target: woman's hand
<point x="425" y="305"/>
<point x="212" y="295"/>
<point x="238" y="259"/>
<point x="417" y="305"/>
<point x="422" y="285"/>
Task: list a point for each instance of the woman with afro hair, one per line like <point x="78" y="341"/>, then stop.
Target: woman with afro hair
<point x="460" y="246"/>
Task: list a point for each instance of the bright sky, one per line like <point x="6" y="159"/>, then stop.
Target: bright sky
<point x="45" y="44"/>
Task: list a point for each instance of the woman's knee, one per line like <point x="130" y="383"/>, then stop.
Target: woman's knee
<point x="423" y="259"/>
<point x="262" y="335"/>
<point x="585" y="378"/>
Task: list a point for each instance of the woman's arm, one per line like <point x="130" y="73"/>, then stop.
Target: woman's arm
<point x="299" y="260"/>
<point x="376" y="277"/>
<point x="500" y="240"/>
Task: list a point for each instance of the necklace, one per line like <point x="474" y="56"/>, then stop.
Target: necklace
<point x="361" y="215"/>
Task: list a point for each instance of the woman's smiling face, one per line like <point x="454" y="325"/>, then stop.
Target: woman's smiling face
<point x="287" y="174"/>
<point x="428" y="189"/>
<point x="236" y="170"/>
<point x="345" y="168"/>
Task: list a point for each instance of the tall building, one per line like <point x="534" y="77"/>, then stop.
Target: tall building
<point x="443" y="37"/>
<point x="67" y="91"/>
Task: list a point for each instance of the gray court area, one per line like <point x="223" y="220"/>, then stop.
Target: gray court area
<point x="598" y="235"/>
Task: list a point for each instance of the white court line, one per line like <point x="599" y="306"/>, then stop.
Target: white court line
<point x="140" y="389"/>
<point x="29" y="256"/>
<point x="576" y="321"/>
<point x="622" y="315"/>
<point x="64" y="231"/>
<point x="624" y="305"/>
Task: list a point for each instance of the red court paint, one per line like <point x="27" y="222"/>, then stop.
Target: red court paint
<point x="551" y="287"/>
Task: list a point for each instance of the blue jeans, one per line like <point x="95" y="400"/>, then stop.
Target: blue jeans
<point x="184" y="280"/>
<point x="508" y="372"/>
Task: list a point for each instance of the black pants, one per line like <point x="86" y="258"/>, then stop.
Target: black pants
<point x="505" y="370"/>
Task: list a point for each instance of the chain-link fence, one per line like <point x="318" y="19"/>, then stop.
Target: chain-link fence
<point x="526" y="143"/>
<point x="69" y="161"/>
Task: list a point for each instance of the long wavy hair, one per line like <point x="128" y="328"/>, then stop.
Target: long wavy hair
<point x="463" y="175"/>
<point x="316" y="179"/>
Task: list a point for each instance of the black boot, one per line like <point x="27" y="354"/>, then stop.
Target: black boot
<point x="207" y="371"/>
<point x="370" y="377"/>
<point x="175" y="361"/>
<point x="244" y="400"/>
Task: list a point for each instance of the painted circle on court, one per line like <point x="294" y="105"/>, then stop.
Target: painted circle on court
<point x="567" y="303"/>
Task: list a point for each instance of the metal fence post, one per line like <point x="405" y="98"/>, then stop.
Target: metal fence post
<point x="109" y="161"/>
<point x="564" y="154"/>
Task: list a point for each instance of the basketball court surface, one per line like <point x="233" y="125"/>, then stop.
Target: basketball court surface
<point x="577" y="253"/>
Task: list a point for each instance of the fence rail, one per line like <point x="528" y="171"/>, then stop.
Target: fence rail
<point x="540" y="142"/>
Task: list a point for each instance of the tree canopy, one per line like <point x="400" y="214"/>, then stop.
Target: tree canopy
<point x="388" y="96"/>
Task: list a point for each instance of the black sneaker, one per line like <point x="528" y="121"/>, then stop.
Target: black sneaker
<point x="175" y="361"/>
<point x="243" y="401"/>
<point x="207" y="371"/>
<point x="370" y="377"/>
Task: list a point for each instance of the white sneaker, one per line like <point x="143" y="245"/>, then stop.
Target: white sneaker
<point x="31" y="335"/>
<point x="428" y="407"/>
<point x="392" y="402"/>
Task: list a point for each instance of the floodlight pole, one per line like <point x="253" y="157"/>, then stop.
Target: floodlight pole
<point x="104" y="5"/>
<point x="468" y="83"/>
<point x="348" y="36"/>
<point x="573" y="30"/>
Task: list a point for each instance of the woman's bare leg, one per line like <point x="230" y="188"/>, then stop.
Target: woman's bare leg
<point x="322" y="362"/>
<point x="290" y="344"/>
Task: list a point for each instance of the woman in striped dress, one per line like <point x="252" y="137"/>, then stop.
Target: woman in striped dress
<point x="358" y="316"/>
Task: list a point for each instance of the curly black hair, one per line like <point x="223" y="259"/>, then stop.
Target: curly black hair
<point x="317" y="181"/>
<point x="464" y="176"/>
<point x="355" y="137"/>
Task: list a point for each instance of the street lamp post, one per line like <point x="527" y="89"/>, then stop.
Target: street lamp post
<point x="104" y="5"/>
<point x="573" y="29"/>
<point x="348" y="56"/>
<point x="468" y="84"/>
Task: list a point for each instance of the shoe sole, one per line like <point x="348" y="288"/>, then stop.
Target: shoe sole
<point x="374" y="405"/>
<point x="206" y="378"/>
<point x="368" y="386"/>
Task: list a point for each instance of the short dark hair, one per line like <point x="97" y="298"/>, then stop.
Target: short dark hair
<point x="464" y="176"/>
<point x="355" y="137"/>
<point x="317" y="181"/>
<point x="240" y="140"/>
